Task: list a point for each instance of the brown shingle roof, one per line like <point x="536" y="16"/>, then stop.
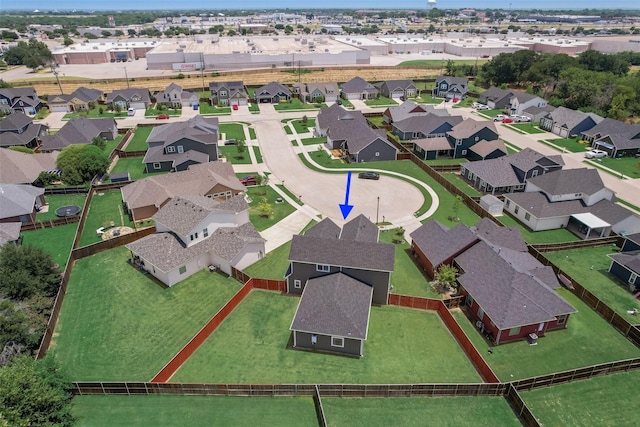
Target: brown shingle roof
<point x="23" y="168"/>
<point x="439" y="243"/>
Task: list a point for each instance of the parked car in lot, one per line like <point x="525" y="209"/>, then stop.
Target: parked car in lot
<point x="368" y="175"/>
<point x="595" y="154"/>
<point x="499" y="118"/>
<point x="248" y="180"/>
<point x="162" y="117"/>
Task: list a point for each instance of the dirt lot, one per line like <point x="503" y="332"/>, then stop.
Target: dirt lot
<point x="250" y="77"/>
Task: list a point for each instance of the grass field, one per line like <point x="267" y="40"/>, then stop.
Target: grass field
<point x="629" y="166"/>
<point x="603" y="401"/>
<point x="531" y="128"/>
<point x="295" y="104"/>
<point x="193" y="411"/>
<point x="590" y="268"/>
<point x="533" y="237"/>
<point x="313" y="141"/>
<point x="419" y="411"/>
<point x="139" y="140"/>
<point x="252" y="133"/>
<point x="118" y="324"/>
<point x="254" y="108"/>
<point x="300" y="127"/>
<point x="278" y="210"/>
<point x="456" y="180"/>
<point x="570" y="144"/>
<point x="382" y="101"/>
<point x="376" y="120"/>
<point x="104" y="209"/>
<point x="446" y="161"/>
<point x="250" y="346"/>
<point x="109" y="146"/>
<point x="56" y="241"/>
<point x="230" y="152"/>
<point x="153" y="112"/>
<point x="232" y="131"/>
<point x="408" y="277"/>
<point x="588" y="340"/>
<point x="56" y="201"/>
<point x="209" y="110"/>
<point x="134" y="166"/>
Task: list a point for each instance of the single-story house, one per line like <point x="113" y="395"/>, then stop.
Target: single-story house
<point x="566" y="122"/>
<point x="272" y="93"/>
<point x="23" y="168"/>
<point x="20" y="203"/>
<point x="18" y="129"/>
<point x="358" y="88"/>
<point x="424" y="126"/>
<point x="617" y="138"/>
<point x="78" y="100"/>
<point x="451" y="87"/>
<point x="410" y="109"/>
<point x="537" y="113"/>
<point x="331" y="115"/>
<point x="80" y="130"/>
<point x="395" y="89"/>
<point x="625" y="265"/>
<point x="228" y="93"/>
<point x="317" y="91"/>
<point x="10" y="233"/>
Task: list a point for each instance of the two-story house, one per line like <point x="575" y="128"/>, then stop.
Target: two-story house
<point x="410" y="109"/>
<point x="331" y="115"/>
<point x="136" y="98"/>
<point x="475" y="140"/>
<point x="496" y="98"/>
<point x="78" y="100"/>
<point x="195" y="232"/>
<point x="24" y="100"/>
<point x="80" y="130"/>
<point x="18" y="129"/>
<point x="228" y="93"/>
<point x="509" y="173"/>
<point x="575" y="199"/>
<point x="176" y="97"/>
<point x="272" y="93"/>
<point x="617" y="138"/>
<point x="339" y="273"/>
<point x="520" y="101"/>
<point x="451" y="87"/>
<point x="566" y="122"/>
<point x="317" y="91"/>
<point x="396" y="89"/>
<point x="176" y="146"/>
<point x="358" y="88"/>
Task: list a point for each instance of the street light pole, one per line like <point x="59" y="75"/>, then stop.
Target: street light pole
<point x="377" y="209"/>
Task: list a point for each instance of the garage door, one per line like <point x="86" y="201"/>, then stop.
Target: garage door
<point x="137" y="105"/>
<point x="59" y="109"/>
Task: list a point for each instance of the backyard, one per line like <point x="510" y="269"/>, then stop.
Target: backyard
<point x="590" y="268"/>
<point x="56" y="201"/>
<point x="463" y="185"/>
<point x="56" y="241"/>
<point x="250" y="346"/>
<point x="105" y="208"/>
<point x="194" y="411"/>
<point x="586" y="341"/>
<point x="533" y="237"/>
<point x="119" y="324"/>
<point x="609" y="400"/>
<point x="138" y="141"/>
<point x="278" y="210"/>
<point x="134" y="166"/>
<point x="419" y="411"/>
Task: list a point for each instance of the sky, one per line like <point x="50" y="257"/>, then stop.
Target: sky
<point x="281" y="4"/>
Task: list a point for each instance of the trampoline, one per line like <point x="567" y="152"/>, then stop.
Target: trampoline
<point x="68" y="211"/>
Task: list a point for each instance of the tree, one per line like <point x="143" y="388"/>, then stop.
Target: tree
<point x="67" y="41"/>
<point x="131" y="32"/>
<point x="456" y="208"/>
<point x="4" y="85"/>
<point x="305" y="119"/>
<point x="34" y="393"/>
<point x="81" y="162"/>
<point x="119" y="33"/>
<point x="445" y="278"/>
<point x="25" y="271"/>
<point x="264" y="207"/>
<point x="241" y="145"/>
<point x="33" y="54"/>
<point x="99" y="142"/>
<point x="45" y="178"/>
<point x="106" y="33"/>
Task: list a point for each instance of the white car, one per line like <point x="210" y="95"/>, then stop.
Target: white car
<point x="479" y="106"/>
<point x="500" y="117"/>
<point x="595" y="154"/>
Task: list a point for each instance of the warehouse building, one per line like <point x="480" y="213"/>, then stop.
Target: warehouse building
<point x="102" y="52"/>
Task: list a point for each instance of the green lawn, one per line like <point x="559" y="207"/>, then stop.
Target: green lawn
<point x="94" y="113"/>
<point x="134" y="166"/>
<point x="588" y="340"/>
<point x="439" y="62"/>
<point x="376" y="120"/>
<point x="56" y="241"/>
<point x="118" y="324"/>
<point x="590" y="268"/>
<point x="426" y="98"/>
<point x="446" y="161"/>
<point x="408" y="277"/>
<point x="42" y="113"/>
<point x="531" y="128"/>
<point x="570" y="144"/>
<point x="278" y="210"/>
<point x="139" y="140"/>
<point x="153" y="112"/>
<point x="232" y="131"/>
<point x="382" y="101"/>
<point x="419" y="411"/>
<point x="295" y="104"/>
<point x="104" y="209"/>
<point x="629" y="166"/>
<point x="167" y="410"/>
<point x="532" y="237"/>
<point x="347" y="104"/>
<point x="313" y="141"/>
<point x="56" y="201"/>
<point x="230" y="152"/>
<point x="466" y="102"/>
<point x="252" y="133"/>
<point x="273" y="266"/>
<point x="301" y="127"/>
<point x="254" y="108"/>
<point x="610" y="400"/>
<point x="207" y="109"/>
<point x="491" y="113"/>
<point x="257" y="153"/>
<point x="250" y="346"/>
<point x="111" y="145"/>
<point x="290" y="194"/>
<point x="456" y="180"/>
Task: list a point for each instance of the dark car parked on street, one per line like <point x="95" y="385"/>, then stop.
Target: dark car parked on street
<point x="368" y="175"/>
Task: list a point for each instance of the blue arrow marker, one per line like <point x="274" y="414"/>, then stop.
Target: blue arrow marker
<point x="346" y="208"/>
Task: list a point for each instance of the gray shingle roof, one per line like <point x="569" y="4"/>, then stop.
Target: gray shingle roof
<point x="9" y="232"/>
<point x="484" y="148"/>
<point x="505" y="237"/>
<point x="84" y="94"/>
<point x="335" y="114"/>
<point x="23" y="168"/>
<point x="14" y="121"/>
<point x="272" y="89"/>
<point x="496" y="94"/>
<point x="569" y="181"/>
<point x="568" y="118"/>
<point x="358" y="85"/>
<point x="360" y="229"/>
<point x="439" y="243"/>
<point x="80" y="130"/>
<point x="335" y="304"/>
<point x="622" y="135"/>
<point x="16" y="200"/>
<point x="537" y="204"/>
<point x="34" y="131"/>
<point x="630" y="260"/>
<point x="129" y="93"/>
<point x="325" y="228"/>
<point x="411" y="109"/>
<point x="469" y="127"/>
<point x="427" y="123"/>
<point x="534" y="109"/>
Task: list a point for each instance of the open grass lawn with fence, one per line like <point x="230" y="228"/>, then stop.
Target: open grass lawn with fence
<point x="295" y="104"/>
<point x="610" y="400"/>
<point x="570" y="144"/>
<point x="589" y="267"/>
<point x="134" y="166"/>
<point x="207" y="109"/>
<point x="56" y="241"/>
<point x="381" y="101"/>
<point x="232" y="131"/>
<point x="532" y="237"/>
<point x="531" y="128"/>
<point x="302" y="127"/>
<point x="463" y="185"/>
<point x="587" y="340"/>
<point x="105" y="208"/>
<point x="419" y="411"/>
<point x="56" y="201"/>
<point x="202" y="411"/>
<point x="628" y="166"/>
<point x="250" y="346"/>
<point x="119" y="324"/>
<point x="138" y="141"/>
<point x="408" y="277"/>
<point x="278" y="210"/>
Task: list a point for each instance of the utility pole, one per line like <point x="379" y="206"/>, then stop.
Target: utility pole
<point x="126" y="76"/>
<point x="377" y="209"/>
<point x="202" y="72"/>
<point x="55" y="73"/>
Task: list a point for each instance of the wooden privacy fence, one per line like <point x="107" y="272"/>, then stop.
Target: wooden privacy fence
<point x="125" y="154"/>
<point x="114" y="242"/>
<point x="270" y="285"/>
<point x="622" y="325"/>
<point x="520" y="408"/>
<point x="317" y="402"/>
<point x="50" y="223"/>
<point x="579" y="244"/>
<point x="66" y="190"/>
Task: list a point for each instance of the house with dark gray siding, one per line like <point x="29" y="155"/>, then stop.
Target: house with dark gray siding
<point x="617" y="138"/>
<point x="451" y="87"/>
<point x="566" y="122"/>
<point x="18" y="129"/>
<point x="20" y="99"/>
<point x="339" y="272"/>
<point x="625" y="265"/>
<point x="496" y="98"/>
<point x="475" y="140"/>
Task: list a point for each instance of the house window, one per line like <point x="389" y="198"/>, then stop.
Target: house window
<point x="337" y="342"/>
<point x="469" y="300"/>
<point x="322" y="267"/>
<point x="480" y="313"/>
<point x="464" y="152"/>
<point x="171" y="149"/>
<point x="191" y="237"/>
<point x="223" y="93"/>
<point x="534" y="173"/>
<point x="205" y="232"/>
<point x="297" y="283"/>
<point x="632" y="278"/>
<point x="514" y="331"/>
<point x="459" y="141"/>
<point x="180" y="149"/>
<point x="527" y="216"/>
<point x="196" y="235"/>
<point x="377" y="154"/>
<point x="507" y="202"/>
<point x="562" y="319"/>
<point x="477" y="138"/>
<point x="183" y="269"/>
<point x="156" y="166"/>
<point x="516" y="209"/>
